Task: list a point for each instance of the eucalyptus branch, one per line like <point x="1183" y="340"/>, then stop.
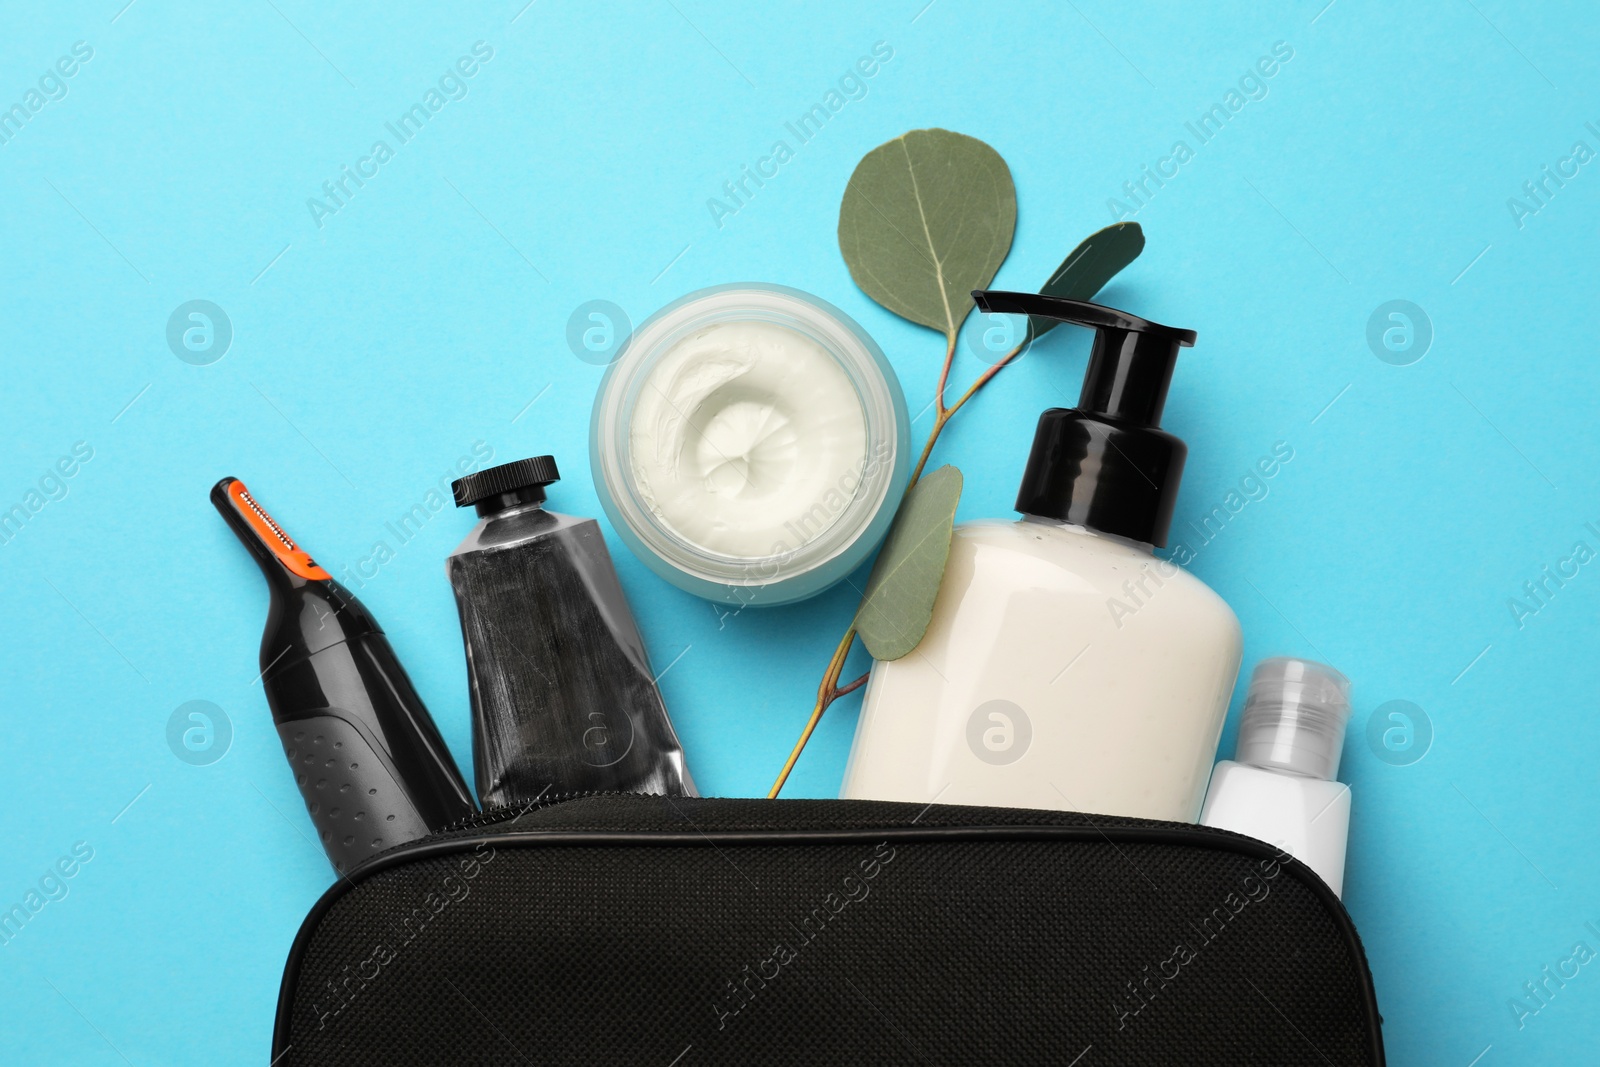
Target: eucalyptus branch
<point x="853" y="686"/>
<point x="941" y="414"/>
<point x="983" y="379"/>
<point x="827" y="693"/>
<point x="829" y="690"/>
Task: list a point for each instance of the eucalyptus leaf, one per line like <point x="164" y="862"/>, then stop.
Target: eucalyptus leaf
<point x="898" y="604"/>
<point x="1087" y="268"/>
<point x="927" y="218"/>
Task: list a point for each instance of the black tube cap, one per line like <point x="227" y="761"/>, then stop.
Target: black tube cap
<point x="1105" y="464"/>
<point x="506" y="486"/>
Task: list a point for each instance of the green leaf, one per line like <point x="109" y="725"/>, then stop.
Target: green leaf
<point x="898" y="604"/>
<point x="1087" y="269"/>
<point x="926" y="219"/>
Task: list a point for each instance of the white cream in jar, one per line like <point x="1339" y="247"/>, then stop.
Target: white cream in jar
<point x="750" y="444"/>
<point x="747" y="439"/>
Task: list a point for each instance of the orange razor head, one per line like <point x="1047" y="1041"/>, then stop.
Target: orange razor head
<point x="271" y="535"/>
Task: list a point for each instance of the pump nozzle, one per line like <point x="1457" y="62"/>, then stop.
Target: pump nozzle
<point x="1105" y="464"/>
<point x="1079" y="312"/>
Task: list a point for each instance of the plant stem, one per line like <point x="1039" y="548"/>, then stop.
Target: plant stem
<point x="829" y="690"/>
<point x="944" y="373"/>
<point x="853" y="686"/>
<point x="982" y="380"/>
<point x="927" y="450"/>
<point x="941" y="414"/>
<point x="826" y="694"/>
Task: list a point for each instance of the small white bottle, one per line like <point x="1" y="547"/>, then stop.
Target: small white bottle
<point x="1280" y="787"/>
<point x="1066" y="667"/>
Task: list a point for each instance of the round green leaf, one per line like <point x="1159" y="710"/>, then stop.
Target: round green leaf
<point x="926" y="219"/>
<point x="1087" y="268"/>
<point x="898" y="604"/>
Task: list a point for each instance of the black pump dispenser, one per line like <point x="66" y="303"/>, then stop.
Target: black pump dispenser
<point x="1105" y="464"/>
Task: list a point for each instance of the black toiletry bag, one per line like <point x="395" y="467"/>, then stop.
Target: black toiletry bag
<point x="625" y="929"/>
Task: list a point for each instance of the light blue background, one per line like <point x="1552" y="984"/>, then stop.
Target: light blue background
<point x="369" y="354"/>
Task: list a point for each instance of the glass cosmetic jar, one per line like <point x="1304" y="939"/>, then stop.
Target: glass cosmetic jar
<point x="750" y="444"/>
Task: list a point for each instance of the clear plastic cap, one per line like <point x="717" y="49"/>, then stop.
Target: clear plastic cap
<point x="1294" y="718"/>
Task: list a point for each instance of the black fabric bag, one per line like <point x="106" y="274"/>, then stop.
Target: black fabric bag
<point x="621" y="929"/>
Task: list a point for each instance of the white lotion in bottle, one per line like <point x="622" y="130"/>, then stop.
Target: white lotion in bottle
<point x="1281" y="786"/>
<point x="1066" y="667"/>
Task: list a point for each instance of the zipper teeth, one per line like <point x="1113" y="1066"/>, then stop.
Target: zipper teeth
<point x="250" y="502"/>
<point x="508" y="812"/>
<point x="504" y="812"/>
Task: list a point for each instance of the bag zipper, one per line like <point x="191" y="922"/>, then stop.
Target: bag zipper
<point x="502" y="812"/>
<point x="498" y="814"/>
